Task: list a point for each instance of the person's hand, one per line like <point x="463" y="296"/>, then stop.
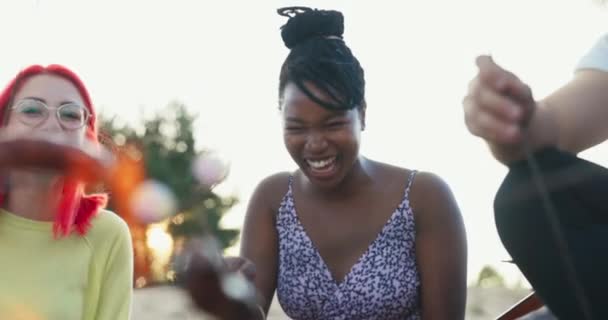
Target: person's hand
<point x="220" y="286"/>
<point x="242" y="266"/>
<point x="86" y="163"/>
<point x="497" y="108"/>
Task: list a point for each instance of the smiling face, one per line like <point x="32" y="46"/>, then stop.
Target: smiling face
<point x="50" y="106"/>
<point x="324" y="143"/>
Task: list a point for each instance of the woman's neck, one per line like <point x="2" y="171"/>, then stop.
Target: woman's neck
<point x="34" y="196"/>
<point x="359" y="176"/>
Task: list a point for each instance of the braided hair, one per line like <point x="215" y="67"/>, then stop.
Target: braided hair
<point x="319" y="56"/>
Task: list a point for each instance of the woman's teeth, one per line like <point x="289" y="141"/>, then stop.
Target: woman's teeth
<point x="320" y="164"/>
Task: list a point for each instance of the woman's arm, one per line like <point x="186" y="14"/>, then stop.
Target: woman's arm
<point x="116" y="293"/>
<point x="573" y="117"/>
<point x="580" y="110"/>
<point x="441" y="249"/>
<point x="259" y="242"/>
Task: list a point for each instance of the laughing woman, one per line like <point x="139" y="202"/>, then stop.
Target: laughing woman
<point x="344" y="236"/>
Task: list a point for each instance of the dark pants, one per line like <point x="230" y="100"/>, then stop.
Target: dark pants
<point x="578" y="190"/>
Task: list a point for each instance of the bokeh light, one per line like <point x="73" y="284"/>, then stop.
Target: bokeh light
<point x="152" y="202"/>
<point x="160" y="243"/>
<point x="210" y="169"/>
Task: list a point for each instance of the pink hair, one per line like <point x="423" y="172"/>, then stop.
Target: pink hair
<point x="76" y="209"/>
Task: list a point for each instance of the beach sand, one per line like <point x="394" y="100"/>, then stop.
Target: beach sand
<point x="170" y="303"/>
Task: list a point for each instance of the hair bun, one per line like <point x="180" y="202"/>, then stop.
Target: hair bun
<point x="305" y="23"/>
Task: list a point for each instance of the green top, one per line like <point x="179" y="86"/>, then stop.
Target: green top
<point x="73" y="278"/>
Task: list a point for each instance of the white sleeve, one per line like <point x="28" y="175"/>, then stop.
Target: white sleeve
<point x="597" y="57"/>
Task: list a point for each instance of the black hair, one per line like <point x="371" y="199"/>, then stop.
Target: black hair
<point x="320" y="56"/>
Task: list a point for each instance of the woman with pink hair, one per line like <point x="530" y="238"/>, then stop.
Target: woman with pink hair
<point x="63" y="256"/>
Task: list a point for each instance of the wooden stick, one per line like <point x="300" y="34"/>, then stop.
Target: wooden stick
<point x="525" y="306"/>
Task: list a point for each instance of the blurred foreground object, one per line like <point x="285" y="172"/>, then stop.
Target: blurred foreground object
<point x="214" y="288"/>
<point x="170" y="177"/>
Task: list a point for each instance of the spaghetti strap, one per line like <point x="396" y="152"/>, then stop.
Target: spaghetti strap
<point x="410" y="182"/>
<point x="290" y="184"/>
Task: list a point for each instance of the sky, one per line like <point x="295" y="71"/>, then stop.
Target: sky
<point x="222" y="59"/>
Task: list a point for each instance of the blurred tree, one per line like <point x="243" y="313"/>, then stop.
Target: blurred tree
<point x="164" y="148"/>
<point x="489" y="277"/>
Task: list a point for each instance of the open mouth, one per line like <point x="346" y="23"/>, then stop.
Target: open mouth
<point x="322" y="167"/>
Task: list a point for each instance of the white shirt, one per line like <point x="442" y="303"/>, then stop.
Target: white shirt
<point x="597" y="57"/>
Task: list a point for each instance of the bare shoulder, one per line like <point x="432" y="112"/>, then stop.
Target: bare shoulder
<point x="423" y="183"/>
<point x="392" y="175"/>
<point x="432" y="199"/>
<point x="270" y="191"/>
<point x="426" y="184"/>
<point x="274" y="187"/>
<point x="259" y="232"/>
